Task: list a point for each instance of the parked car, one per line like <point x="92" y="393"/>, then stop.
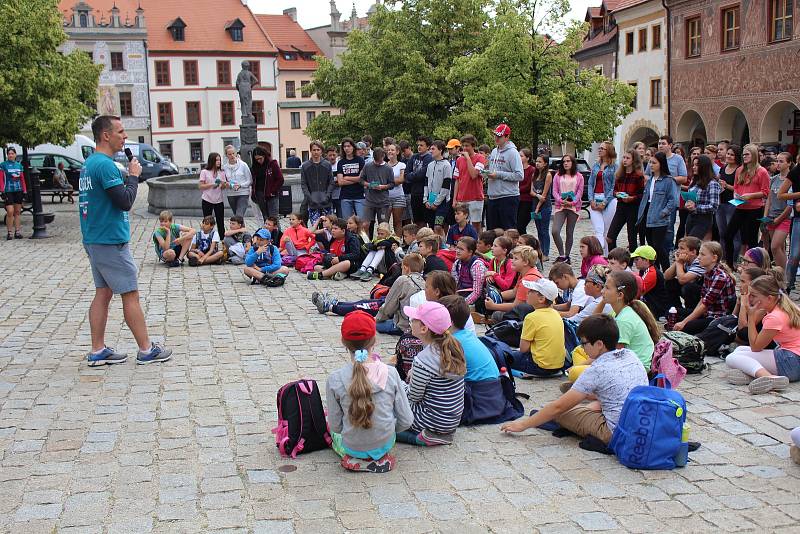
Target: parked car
<point x="47" y="163"/>
<point x="583" y="168"/>
<point x="153" y="163"/>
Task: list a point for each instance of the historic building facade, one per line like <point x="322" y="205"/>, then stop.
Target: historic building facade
<point x="296" y="65"/>
<point x="733" y="71"/>
<point x="642" y="63"/>
<point x="114" y="35"/>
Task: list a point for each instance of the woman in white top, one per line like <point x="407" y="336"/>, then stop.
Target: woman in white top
<point x="240" y="180"/>
<point x="397" y="198"/>
<point x="212" y="182"/>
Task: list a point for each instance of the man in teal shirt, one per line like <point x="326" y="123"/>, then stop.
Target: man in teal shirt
<point x="103" y="203"/>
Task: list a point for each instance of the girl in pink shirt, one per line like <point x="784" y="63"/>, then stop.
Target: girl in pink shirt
<point x="780" y="320"/>
<point x="751" y="186"/>
<point x="591" y="254"/>
<point x="567" y="197"/>
<point x="212" y="181"/>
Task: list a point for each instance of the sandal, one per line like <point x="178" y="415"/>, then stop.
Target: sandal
<point x="9" y="237"/>
<point x="17" y="235"/>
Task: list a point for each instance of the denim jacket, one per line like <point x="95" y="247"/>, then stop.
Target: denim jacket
<point x="608" y="181"/>
<point x="664" y="203"/>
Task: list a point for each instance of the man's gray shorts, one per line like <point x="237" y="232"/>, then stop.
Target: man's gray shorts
<point x="113" y="267"/>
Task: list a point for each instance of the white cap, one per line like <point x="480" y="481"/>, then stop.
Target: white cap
<point x="547" y="288"/>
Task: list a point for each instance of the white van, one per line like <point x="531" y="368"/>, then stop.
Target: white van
<point x="82" y="148"/>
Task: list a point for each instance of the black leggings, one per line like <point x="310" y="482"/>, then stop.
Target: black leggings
<point x="371" y="306"/>
<point x="656" y="238"/>
<point x="219" y="214"/>
<point x="626" y="215"/>
<point x="744" y="222"/>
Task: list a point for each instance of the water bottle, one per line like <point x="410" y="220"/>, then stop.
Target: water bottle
<point x="682" y="455"/>
<point x="672" y="318"/>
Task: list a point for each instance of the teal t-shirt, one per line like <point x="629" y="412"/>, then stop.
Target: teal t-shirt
<point x="13" y="176"/>
<point x="633" y="334"/>
<point x="480" y="362"/>
<point x="174" y="233"/>
<point x="102" y="223"/>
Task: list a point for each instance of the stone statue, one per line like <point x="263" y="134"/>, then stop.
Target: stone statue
<point x="244" y="84"/>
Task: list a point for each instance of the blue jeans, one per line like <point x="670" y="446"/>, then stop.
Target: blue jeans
<point x="352" y="206"/>
<point x="502" y="212"/>
<point x="523" y="361"/>
<point x="787" y="364"/>
<point x="543" y="228"/>
<point x="388" y="327"/>
<point x="794" y="253"/>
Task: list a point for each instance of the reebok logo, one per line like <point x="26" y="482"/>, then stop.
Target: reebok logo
<point x="642" y="433"/>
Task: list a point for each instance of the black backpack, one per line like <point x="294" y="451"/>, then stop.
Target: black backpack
<point x="720" y="332"/>
<point x="302" y="426"/>
<point x="688" y="350"/>
<point x="501" y="353"/>
<point x="508" y="331"/>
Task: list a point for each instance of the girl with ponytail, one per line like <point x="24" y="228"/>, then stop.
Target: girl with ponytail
<point x="718" y="293"/>
<point x="762" y="369"/>
<point x="638" y="329"/>
<point x="436" y="387"/>
<point x="367" y="404"/>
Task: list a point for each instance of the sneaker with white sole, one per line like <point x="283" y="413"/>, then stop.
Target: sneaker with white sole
<point x="339" y="276"/>
<point x="737" y="377"/>
<point x="157" y="353"/>
<point x="766" y="384"/>
<point x="107" y="356"/>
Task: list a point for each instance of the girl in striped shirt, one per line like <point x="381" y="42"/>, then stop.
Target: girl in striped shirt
<point x="436" y="387"/>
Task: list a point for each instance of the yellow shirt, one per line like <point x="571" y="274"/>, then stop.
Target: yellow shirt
<point x="544" y="328"/>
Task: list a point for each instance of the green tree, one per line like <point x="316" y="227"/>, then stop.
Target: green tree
<point x="394" y="77"/>
<point x="45" y="96"/>
<point x="527" y="79"/>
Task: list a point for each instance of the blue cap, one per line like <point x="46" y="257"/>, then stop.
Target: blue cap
<point x="263" y="233"/>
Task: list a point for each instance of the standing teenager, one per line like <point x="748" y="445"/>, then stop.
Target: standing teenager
<point x="750" y="190"/>
<point x="628" y="189"/>
<point x="602" y="202"/>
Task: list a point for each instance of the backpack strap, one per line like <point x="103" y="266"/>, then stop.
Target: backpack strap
<point x="661" y="381"/>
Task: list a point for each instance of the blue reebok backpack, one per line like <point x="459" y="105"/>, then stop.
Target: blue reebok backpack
<point x="648" y="434"/>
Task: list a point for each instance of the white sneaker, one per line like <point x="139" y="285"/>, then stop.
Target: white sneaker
<point x="737" y="377"/>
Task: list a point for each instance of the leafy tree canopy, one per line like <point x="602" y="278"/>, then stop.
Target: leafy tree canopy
<point x="446" y="68"/>
<point x="45" y="96"/>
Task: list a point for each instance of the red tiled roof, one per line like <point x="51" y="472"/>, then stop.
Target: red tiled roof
<point x="102" y="8"/>
<point x="205" y="24"/>
<point x="288" y="36"/>
<point x="625" y="4"/>
<point x="599" y="39"/>
<point x="592" y="12"/>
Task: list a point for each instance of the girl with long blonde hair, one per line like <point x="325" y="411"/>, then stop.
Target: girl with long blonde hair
<point x="750" y="189"/>
<point x="367" y="404"/>
<point x="436" y="388"/>
<point x="761" y="369"/>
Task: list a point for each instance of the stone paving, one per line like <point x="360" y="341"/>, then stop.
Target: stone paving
<point x="186" y="446"/>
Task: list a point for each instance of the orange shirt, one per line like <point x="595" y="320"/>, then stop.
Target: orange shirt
<point x="522" y="292"/>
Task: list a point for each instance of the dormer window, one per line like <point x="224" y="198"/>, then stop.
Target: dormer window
<point x="289" y="56"/>
<point x="83" y="20"/>
<point x="178" y="29"/>
<point x="235" y="29"/>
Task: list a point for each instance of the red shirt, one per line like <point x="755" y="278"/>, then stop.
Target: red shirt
<point x="337" y="247"/>
<point x="469" y="189"/>
<point x="758" y="184"/>
<point x="598" y="184"/>
<point x="525" y="184"/>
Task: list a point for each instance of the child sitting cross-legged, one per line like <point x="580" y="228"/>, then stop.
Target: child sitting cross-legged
<point x="436" y="388"/>
<point x="469" y="270"/>
<point x="367" y="403"/>
<point x="501" y="273"/>
<point x="606" y="383"/>
<point x="462" y="227"/>
<point x="297" y="239"/>
<point x="584" y="294"/>
<point x="654" y="292"/>
<point x="237" y="240"/>
<point x="343" y="255"/>
<point x="523" y="261"/>
<point x="205" y="247"/>
<point x="542" y="351"/>
<point x="171" y="241"/>
<point x="263" y="258"/>
<point x="377" y="252"/>
<point x="388" y="311"/>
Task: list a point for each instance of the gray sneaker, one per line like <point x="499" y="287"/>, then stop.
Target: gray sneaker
<point x="367" y="275"/>
<point x="737" y="377"/>
<point x="107" y="356"/>
<point x="339" y="276"/>
<point x="157" y="353"/>
<point x="765" y="384"/>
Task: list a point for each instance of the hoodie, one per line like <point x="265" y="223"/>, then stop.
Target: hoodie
<point x="507" y="163"/>
<point x="268" y="262"/>
<point x="416" y="172"/>
<point x="399" y="296"/>
<point x="238" y="173"/>
<point x="391" y="414"/>
<point x="317" y="184"/>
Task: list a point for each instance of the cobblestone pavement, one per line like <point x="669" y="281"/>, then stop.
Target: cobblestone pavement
<point x="186" y="446"/>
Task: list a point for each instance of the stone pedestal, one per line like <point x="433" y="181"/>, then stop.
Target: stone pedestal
<point x="248" y="139"/>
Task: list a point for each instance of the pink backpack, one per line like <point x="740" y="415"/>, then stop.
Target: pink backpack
<point x="306" y="262"/>
<point x="664" y="363"/>
<point x="302" y="425"/>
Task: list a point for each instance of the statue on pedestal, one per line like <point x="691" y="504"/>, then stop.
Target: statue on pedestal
<point x="244" y="84"/>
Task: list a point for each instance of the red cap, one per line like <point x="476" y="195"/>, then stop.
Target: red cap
<point x="502" y="130"/>
<point x="358" y="326"/>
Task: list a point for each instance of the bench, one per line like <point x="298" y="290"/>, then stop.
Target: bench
<point x="60" y="193"/>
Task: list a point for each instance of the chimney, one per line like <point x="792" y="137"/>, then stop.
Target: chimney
<point x="115" y="20"/>
<point x="292" y="12"/>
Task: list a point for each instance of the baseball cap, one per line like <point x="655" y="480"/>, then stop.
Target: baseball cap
<point x="263" y="233"/>
<point x="547" y="288"/>
<point x="645" y="251"/>
<point x="361" y="144"/>
<point x="358" y="326"/>
<point x="453" y="143"/>
<point x="502" y="130"/>
<point x="431" y="314"/>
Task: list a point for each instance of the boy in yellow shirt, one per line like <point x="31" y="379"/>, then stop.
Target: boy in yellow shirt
<point x="542" y="351"/>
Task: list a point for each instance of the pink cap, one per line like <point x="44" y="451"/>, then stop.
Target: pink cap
<point x="431" y="314"/>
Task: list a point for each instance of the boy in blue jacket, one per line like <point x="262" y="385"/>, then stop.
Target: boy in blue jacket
<point x="262" y="259"/>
